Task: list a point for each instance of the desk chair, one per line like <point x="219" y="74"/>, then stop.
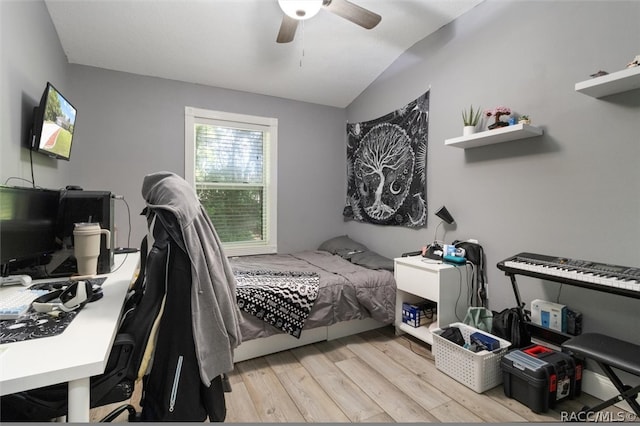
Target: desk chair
<point x="173" y="388"/>
<point x="116" y="384"/>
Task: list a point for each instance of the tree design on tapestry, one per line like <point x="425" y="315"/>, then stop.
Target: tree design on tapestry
<point x="387" y="165"/>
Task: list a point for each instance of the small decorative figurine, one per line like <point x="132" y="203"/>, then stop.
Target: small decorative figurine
<point x="497" y="112"/>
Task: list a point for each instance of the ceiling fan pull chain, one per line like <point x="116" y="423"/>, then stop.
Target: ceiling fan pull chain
<point x="302" y="56"/>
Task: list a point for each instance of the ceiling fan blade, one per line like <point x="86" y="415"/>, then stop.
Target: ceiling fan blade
<point x="287" y="29"/>
<point x="352" y="12"/>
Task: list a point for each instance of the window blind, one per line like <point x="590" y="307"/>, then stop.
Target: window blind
<point x="230" y="180"/>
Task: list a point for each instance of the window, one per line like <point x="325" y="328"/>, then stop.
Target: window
<point x="231" y="161"/>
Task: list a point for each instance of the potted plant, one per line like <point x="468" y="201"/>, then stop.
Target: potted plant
<point x="524" y="119"/>
<point x="470" y="118"/>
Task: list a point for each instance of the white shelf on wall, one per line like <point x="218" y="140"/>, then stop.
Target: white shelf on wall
<point x="489" y="137"/>
<point x="616" y="82"/>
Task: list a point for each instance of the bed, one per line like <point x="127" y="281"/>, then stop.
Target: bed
<point x="355" y="292"/>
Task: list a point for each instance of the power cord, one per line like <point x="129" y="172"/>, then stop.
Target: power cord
<point x="19" y="178"/>
<point x="121" y="198"/>
<point x="429" y="309"/>
<point x="455" y="307"/>
<point x="121" y="263"/>
<point x="33" y="179"/>
<point x="559" y="293"/>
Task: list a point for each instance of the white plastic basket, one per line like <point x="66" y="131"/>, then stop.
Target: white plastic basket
<point x="479" y="371"/>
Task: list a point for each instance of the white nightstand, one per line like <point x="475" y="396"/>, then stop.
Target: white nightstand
<point x="419" y="279"/>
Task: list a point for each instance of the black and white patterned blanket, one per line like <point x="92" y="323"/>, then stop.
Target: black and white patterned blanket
<point x="282" y="299"/>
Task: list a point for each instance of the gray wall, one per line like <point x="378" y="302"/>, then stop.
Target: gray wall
<point x="132" y="125"/>
<point x="30" y="55"/>
<point x="575" y="191"/>
<point x="129" y="126"/>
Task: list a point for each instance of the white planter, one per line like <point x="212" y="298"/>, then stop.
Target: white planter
<point x="468" y="130"/>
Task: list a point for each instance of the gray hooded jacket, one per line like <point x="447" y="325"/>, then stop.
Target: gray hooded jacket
<point x="214" y="310"/>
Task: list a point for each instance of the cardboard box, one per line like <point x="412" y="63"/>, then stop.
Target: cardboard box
<point x="550" y="315"/>
<point x="415" y="315"/>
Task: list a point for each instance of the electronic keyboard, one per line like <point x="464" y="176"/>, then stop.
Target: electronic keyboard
<point x="621" y="280"/>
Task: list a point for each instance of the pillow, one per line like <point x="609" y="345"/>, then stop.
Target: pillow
<point x="342" y="245"/>
<point x="372" y="260"/>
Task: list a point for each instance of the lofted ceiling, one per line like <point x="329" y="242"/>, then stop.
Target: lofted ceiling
<point x="231" y="44"/>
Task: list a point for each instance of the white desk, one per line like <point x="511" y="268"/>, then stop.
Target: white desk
<point x="78" y="353"/>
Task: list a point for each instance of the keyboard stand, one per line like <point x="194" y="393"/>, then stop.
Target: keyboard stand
<point x="609" y="353"/>
<point x="537" y="331"/>
<point x="543" y="333"/>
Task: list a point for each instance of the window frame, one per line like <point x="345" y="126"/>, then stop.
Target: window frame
<point x="269" y="126"/>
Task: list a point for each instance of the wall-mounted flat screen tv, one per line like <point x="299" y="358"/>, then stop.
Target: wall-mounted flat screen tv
<point x="54" y="123"/>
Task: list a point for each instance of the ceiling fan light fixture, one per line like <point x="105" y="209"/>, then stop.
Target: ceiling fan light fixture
<point x="300" y="9"/>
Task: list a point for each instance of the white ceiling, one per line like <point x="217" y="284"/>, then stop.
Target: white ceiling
<point x="231" y="43"/>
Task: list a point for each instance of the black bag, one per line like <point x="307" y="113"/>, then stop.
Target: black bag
<point x="510" y="325"/>
<point x="475" y="254"/>
<point x="453" y="334"/>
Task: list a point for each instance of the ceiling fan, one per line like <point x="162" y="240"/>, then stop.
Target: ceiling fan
<point x="298" y="10"/>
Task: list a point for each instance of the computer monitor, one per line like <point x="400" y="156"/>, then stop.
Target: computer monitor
<point x="86" y="206"/>
<point x="28" y="218"/>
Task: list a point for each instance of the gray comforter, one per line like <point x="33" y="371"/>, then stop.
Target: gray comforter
<point x="347" y="291"/>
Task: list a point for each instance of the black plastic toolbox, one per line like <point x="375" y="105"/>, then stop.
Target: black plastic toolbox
<point x="539" y="377"/>
<point x="563" y="359"/>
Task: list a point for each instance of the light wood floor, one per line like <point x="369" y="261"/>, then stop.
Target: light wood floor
<point x="370" y="377"/>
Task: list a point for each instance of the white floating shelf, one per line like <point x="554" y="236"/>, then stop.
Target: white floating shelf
<point x="489" y="137"/>
<point x="616" y="82"/>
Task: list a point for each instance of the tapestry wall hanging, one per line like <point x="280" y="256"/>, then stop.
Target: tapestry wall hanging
<point x="387" y="167"/>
